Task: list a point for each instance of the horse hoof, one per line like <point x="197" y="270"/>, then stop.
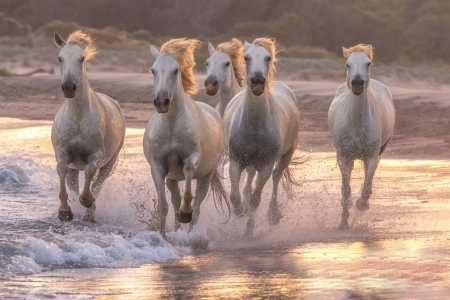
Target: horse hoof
<point x="274" y="218"/>
<point x="65" y="216"/>
<point x="238" y="211"/>
<point x="362" y="205"/>
<point x="344" y="225"/>
<point x="88" y="202"/>
<point x="185" y="217"/>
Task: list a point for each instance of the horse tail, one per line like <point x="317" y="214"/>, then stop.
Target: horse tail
<point x="287" y="177"/>
<point x="219" y="194"/>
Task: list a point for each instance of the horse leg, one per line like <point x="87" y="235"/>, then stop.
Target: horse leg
<point x="263" y="176"/>
<point x="274" y="214"/>
<point x="175" y="197"/>
<point x="346" y="167"/>
<point x="200" y="194"/>
<point x="64" y="212"/>
<point x="190" y="166"/>
<point x="86" y="198"/>
<point x="370" y="166"/>
<point x="96" y="187"/>
<point x="73" y="182"/>
<point x="158" y="179"/>
<point x="251" y="172"/>
<point x="235" y="196"/>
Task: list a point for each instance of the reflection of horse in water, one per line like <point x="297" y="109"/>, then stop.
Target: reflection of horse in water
<point x="88" y="131"/>
<point x="13" y="175"/>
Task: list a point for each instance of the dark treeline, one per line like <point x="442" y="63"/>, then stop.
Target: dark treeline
<point x="400" y="30"/>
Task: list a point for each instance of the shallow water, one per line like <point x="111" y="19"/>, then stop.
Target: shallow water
<point x="399" y="248"/>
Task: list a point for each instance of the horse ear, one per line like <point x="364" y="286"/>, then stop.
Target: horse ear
<point x="154" y="52"/>
<point x="246" y="44"/>
<point x="211" y="48"/>
<point x="59" y="40"/>
<point x="343" y="50"/>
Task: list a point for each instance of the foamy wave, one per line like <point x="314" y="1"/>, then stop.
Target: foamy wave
<point x="34" y="255"/>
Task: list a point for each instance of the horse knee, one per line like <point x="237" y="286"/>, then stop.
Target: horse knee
<point x="163" y="209"/>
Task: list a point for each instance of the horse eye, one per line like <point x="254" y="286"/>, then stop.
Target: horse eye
<point x="176" y="72"/>
<point x="227" y="64"/>
<point x="369" y="64"/>
<point x="246" y="58"/>
<point x="347" y="65"/>
<point x="269" y="58"/>
<point x="206" y="63"/>
<point x="59" y="59"/>
<point x="82" y="59"/>
<point x="153" y="71"/>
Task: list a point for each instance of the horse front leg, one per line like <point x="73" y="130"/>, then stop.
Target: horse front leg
<point x="158" y="176"/>
<point x="175" y="197"/>
<point x="255" y="200"/>
<point x="346" y="167"/>
<point x="370" y="166"/>
<point x="64" y="212"/>
<point x="251" y="172"/>
<point x="235" y="172"/>
<point x="190" y="166"/>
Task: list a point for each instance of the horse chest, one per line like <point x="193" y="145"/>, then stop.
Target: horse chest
<point x="254" y="149"/>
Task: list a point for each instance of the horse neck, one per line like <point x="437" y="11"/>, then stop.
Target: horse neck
<point x="180" y="104"/>
<point x="359" y="107"/>
<point x="82" y="101"/>
<point x="227" y="93"/>
<point x="257" y="109"/>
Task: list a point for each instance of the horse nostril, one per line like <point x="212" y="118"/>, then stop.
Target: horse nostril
<point x="74" y="88"/>
<point x="357" y="82"/>
<point x="154" y="101"/>
<point x="215" y="83"/>
<point x="166" y="101"/>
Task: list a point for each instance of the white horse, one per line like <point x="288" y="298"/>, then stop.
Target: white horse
<point x="88" y="130"/>
<point x="361" y="119"/>
<point x="184" y="140"/>
<point x="261" y="127"/>
<point x="225" y="72"/>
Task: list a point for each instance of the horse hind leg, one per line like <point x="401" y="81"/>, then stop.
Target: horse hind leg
<point x="251" y="172"/>
<point x="175" y="196"/>
<point x="102" y="174"/>
<point x="370" y="166"/>
<point x="73" y="182"/>
<point x="200" y="194"/>
<point x="281" y="169"/>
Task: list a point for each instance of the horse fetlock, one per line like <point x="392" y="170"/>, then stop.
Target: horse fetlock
<point x="347" y="203"/>
<point x="274" y="216"/>
<point x="362" y="204"/>
<point x="87" y="201"/>
<point x="89" y="215"/>
<point x="238" y="209"/>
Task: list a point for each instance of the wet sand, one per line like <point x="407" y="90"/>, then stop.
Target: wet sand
<point x="398" y="249"/>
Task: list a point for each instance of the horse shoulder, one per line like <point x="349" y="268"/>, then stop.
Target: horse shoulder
<point x="338" y="105"/>
<point x="236" y="104"/>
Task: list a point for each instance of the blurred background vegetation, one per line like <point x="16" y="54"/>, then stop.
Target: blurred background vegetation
<point x="405" y="32"/>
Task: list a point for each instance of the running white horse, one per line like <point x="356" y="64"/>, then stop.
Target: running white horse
<point x="261" y="126"/>
<point x="225" y="72"/>
<point x="88" y="130"/>
<point x="184" y="140"/>
<point x="361" y="119"/>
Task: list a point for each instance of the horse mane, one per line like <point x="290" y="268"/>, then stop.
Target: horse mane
<point x="367" y="49"/>
<point x="79" y="38"/>
<point x="183" y="51"/>
<point x="268" y="43"/>
<point x="235" y="50"/>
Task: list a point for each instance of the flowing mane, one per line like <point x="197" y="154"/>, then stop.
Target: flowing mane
<point x="79" y="38"/>
<point x="367" y="49"/>
<point x="235" y="50"/>
<point x="268" y="44"/>
<point x="183" y="51"/>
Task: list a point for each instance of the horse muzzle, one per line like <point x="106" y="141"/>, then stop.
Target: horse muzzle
<point x="358" y="86"/>
<point x="212" y="86"/>
<point x="69" y="89"/>
<point x="162" y="104"/>
<point x="258" y="84"/>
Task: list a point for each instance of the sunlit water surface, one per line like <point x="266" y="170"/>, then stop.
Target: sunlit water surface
<point x="399" y="248"/>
